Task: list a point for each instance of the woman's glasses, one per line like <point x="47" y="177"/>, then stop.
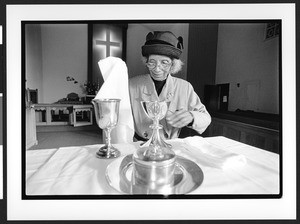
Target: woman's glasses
<point x="163" y="64"/>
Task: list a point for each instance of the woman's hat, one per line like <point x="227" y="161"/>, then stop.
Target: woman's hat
<point x="163" y="43"/>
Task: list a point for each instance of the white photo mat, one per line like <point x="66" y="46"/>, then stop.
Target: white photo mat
<point x="1" y="149"/>
<point x="1" y="132"/>
<point x="195" y="209"/>
<point x="1" y="171"/>
<point x="1" y="38"/>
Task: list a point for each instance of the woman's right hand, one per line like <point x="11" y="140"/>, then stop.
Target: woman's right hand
<point x="180" y="118"/>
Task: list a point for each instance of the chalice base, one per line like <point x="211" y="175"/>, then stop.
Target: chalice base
<point x="106" y="152"/>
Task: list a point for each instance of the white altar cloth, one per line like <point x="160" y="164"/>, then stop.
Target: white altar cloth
<point x="77" y="171"/>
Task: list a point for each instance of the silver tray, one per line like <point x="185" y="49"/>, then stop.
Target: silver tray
<point x="188" y="175"/>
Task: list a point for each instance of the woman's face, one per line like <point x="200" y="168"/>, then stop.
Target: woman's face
<point x="159" y="66"/>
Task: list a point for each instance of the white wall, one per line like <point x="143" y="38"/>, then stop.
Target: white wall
<point x="136" y="37"/>
<point x="53" y="52"/>
<point x="64" y="54"/>
<point x="58" y="50"/>
<point x="245" y="57"/>
<point x="34" y="58"/>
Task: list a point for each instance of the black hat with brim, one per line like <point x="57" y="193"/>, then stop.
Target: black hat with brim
<point x="163" y="43"/>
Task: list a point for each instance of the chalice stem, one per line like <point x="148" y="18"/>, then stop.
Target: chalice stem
<point x="108" y="139"/>
<point x="156" y="123"/>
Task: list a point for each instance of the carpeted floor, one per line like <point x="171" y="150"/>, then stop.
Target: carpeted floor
<point x="48" y="140"/>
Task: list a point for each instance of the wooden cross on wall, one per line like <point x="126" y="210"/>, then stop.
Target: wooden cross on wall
<point x="107" y="43"/>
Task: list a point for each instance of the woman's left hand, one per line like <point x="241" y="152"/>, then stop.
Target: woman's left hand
<point x="180" y="118"/>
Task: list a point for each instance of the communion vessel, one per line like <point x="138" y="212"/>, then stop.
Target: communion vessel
<point x="107" y="115"/>
<point x="154" y="162"/>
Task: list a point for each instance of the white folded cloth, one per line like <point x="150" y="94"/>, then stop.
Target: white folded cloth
<point x="70" y="170"/>
<point x="115" y="75"/>
<point x="210" y="155"/>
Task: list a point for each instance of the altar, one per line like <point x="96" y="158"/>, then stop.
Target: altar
<point x="63" y="114"/>
<point x="76" y="170"/>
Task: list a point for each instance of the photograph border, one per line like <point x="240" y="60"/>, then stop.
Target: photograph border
<point x="16" y="213"/>
<point x="131" y="197"/>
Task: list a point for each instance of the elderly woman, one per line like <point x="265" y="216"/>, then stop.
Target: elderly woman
<point x="161" y="54"/>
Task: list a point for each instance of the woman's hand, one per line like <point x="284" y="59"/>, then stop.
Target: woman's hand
<point x="179" y="118"/>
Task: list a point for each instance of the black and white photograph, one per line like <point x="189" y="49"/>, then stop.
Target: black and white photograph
<point x="203" y="122"/>
<point x="150" y="112"/>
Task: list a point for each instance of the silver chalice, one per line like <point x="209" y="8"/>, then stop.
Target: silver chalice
<point x="156" y="110"/>
<point x="107" y="115"/>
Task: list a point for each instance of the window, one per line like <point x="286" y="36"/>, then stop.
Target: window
<point x="272" y="30"/>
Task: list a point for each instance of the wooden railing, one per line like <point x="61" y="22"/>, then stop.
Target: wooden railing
<point x="63" y="114"/>
<point x="258" y="136"/>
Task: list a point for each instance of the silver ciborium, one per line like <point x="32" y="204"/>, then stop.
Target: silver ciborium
<point x="154" y="161"/>
<point x="107" y="115"/>
<point x="156" y="110"/>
